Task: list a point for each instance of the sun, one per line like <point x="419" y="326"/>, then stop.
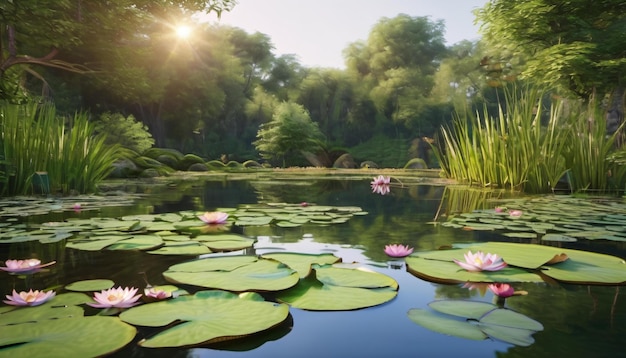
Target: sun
<point x="183" y="31"/>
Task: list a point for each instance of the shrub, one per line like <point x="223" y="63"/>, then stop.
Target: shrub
<point x="126" y="131"/>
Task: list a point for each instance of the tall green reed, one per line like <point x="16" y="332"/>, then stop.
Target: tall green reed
<point x="516" y="150"/>
<point x="35" y="140"/>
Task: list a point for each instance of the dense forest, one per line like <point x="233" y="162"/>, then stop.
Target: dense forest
<point x="217" y="92"/>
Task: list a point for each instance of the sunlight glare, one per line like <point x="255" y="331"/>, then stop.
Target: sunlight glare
<point x="183" y="31"/>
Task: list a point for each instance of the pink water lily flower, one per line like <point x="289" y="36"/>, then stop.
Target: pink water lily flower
<point x="214" y="217"/>
<point x="396" y="250"/>
<point x="115" y="297"/>
<point x="156" y="293"/>
<point x="380" y="185"/>
<point x="503" y="290"/>
<point x="481" y="262"/>
<point x="381" y="180"/>
<point x="24" y="266"/>
<point x="515" y="213"/>
<point x="30" y="298"/>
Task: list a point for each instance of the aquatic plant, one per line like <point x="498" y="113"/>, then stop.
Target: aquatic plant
<point x="30" y="298"/>
<point x="503" y="290"/>
<point x="521" y="150"/>
<point x="115" y="297"/>
<point x="64" y="154"/>
<point x="397" y="250"/>
<point x="480" y="261"/>
<point x="380" y="185"/>
<point x="24" y="266"/>
<point x="213" y="218"/>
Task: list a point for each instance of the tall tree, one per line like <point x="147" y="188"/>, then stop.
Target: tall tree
<point x="577" y="45"/>
<point x="397" y="63"/>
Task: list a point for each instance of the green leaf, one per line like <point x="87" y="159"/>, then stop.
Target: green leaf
<point x="66" y="337"/>
<point x="206" y="317"/>
<point x="482" y="319"/>
<point x="526" y="262"/>
<point x="588" y="268"/>
<point x="225" y="242"/>
<point x="90" y="285"/>
<point x="234" y="273"/>
<point x="137" y="242"/>
<point x="60" y="306"/>
<point x="330" y="294"/>
<point x="181" y="248"/>
<point x="302" y="262"/>
<point x="95" y="243"/>
<point x="442" y="324"/>
<point x="449" y="272"/>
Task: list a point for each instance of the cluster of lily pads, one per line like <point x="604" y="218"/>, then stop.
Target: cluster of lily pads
<point x="182" y="233"/>
<point x="231" y="306"/>
<point x="556" y="218"/>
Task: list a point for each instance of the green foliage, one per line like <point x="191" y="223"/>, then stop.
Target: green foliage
<point x="382" y="150"/>
<point x="568" y="44"/>
<point x="188" y="160"/>
<point x="515" y="150"/>
<point x="125" y="131"/>
<point x="290" y="131"/>
<point x="36" y="140"/>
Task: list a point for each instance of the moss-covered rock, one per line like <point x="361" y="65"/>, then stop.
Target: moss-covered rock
<point x="150" y="173"/>
<point x="147" y="162"/>
<point x="154" y="153"/>
<point x="188" y="160"/>
<point x="168" y="160"/>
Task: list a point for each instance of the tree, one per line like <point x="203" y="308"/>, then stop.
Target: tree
<point x="575" y="45"/>
<point x="289" y="132"/>
<point x="59" y="33"/>
<point x="397" y="64"/>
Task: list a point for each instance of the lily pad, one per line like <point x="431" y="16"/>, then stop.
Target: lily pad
<point x="340" y="289"/>
<point x="95" y="243"/>
<point x="205" y="317"/>
<point x="527" y="263"/>
<point x="66" y="337"/>
<point x="225" y="242"/>
<point x="60" y="306"/>
<point x="181" y="248"/>
<point x="90" y="285"/>
<point x="482" y="320"/>
<point x="234" y="273"/>
<point x="302" y="262"/>
<point x="138" y="242"/>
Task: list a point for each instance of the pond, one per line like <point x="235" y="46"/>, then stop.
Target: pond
<point x="577" y="320"/>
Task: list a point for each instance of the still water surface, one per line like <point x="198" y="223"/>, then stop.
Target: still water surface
<point x="579" y="321"/>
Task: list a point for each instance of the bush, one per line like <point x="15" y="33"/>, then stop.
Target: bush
<point x="125" y="131"/>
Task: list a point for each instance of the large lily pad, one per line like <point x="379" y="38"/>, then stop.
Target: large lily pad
<point x="66" y="337"/>
<point x="302" y="262"/>
<point x="481" y="320"/>
<point x="527" y="263"/>
<point x="181" y="248"/>
<point x="90" y="285"/>
<point x="225" y="242"/>
<point x="205" y="317"/>
<point x="61" y="306"/>
<point x="340" y="289"/>
<point x="234" y="273"/>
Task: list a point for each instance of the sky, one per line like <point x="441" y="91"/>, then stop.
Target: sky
<point x="317" y="31"/>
